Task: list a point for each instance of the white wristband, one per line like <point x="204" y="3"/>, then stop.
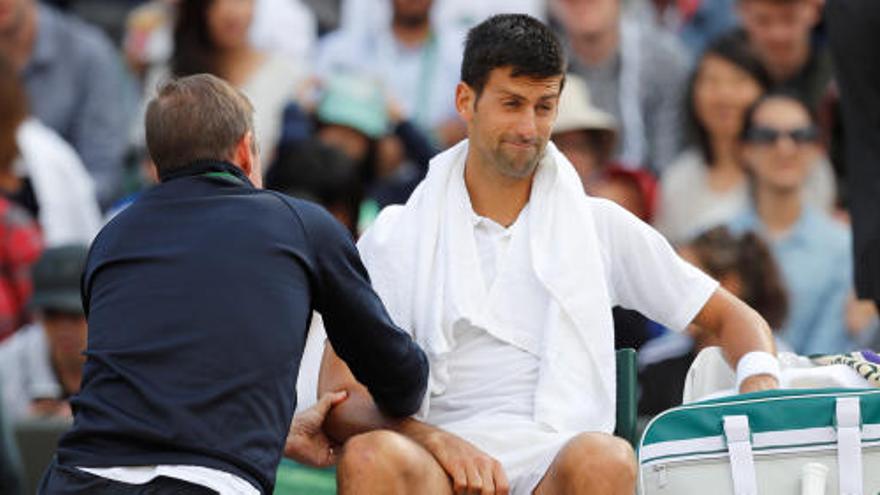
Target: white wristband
<point x="756" y="363"/>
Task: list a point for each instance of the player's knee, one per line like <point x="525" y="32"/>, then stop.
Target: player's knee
<point x="599" y="458"/>
<point x="377" y="454"/>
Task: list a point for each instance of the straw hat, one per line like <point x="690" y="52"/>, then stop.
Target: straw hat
<point x="576" y="111"/>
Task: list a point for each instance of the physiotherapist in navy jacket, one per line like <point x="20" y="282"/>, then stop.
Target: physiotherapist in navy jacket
<point x="199" y="298"/>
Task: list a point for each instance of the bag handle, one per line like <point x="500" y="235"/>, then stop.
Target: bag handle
<point x="849" y="445"/>
<point x="739" y="448"/>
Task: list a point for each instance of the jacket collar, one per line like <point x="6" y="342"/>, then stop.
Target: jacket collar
<point x="209" y="168"/>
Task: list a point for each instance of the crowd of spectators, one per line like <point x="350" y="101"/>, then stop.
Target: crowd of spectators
<point x="692" y="114"/>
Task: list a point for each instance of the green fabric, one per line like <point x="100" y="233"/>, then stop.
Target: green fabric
<point x="626" y="395"/>
<point x="296" y="479"/>
<point x="814" y="408"/>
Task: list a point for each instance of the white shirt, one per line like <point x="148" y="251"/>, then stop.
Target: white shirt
<point x="489" y="376"/>
<point x="26" y="372"/>
<point x="221" y="481"/>
<point x="69" y="212"/>
<point x="285" y="27"/>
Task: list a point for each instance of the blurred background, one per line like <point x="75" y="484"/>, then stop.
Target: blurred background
<point x="717" y="121"/>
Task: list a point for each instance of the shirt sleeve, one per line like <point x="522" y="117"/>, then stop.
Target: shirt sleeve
<point x="380" y="355"/>
<point x="644" y="273"/>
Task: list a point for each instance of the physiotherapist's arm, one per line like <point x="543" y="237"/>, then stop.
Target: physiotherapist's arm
<point x="381" y="356"/>
<point x="741" y="330"/>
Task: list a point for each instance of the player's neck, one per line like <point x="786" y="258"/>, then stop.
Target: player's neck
<point x="494" y="195"/>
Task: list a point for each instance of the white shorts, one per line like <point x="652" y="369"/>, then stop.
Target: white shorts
<point x="524" y="448"/>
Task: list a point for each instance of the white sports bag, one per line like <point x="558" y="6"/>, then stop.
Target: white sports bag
<point x="780" y="442"/>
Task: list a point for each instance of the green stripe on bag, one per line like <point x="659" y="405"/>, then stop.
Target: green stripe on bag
<point x="803" y="409"/>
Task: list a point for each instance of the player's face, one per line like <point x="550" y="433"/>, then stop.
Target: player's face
<point x="510" y="122"/>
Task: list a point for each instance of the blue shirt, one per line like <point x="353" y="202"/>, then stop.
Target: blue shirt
<point x="815" y="258"/>
<point x="77" y="86"/>
<point x="199" y="296"/>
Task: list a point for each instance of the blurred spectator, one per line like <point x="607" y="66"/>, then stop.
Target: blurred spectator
<point x="452" y="15"/>
<point x="20" y="246"/>
<point x="327" y="13"/>
<point x="586" y="136"/>
<point x="635" y="190"/>
<point x="583" y="133"/>
<point x="634" y="72"/>
<point x="212" y="36"/>
<point x="148" y="40"/>
<point x="10" y="472"/>
<point x="401" y="160"/>
<point x="285" y="27"/>
<point x="351" y="117"/>
<point x="354" y="117"/>
<point x="695" y="22"/>
<point x="706" y="185"/>
<point x="781" y="33"/>
<point x="321" y="173"/>
<point x="744" y="266"/>
<point x="780" y="142"/>
<point x="41" y="365"/>
<point x="41" y="172"/>
<point x="75" y="85"/>
<point x="415" y="62"/>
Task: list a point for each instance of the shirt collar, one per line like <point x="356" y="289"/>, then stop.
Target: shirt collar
<point x="462" y="197"/>
<point x="209" y="168"/>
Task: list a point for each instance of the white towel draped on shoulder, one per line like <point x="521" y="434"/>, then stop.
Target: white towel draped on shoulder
<point x="419" y="260"/>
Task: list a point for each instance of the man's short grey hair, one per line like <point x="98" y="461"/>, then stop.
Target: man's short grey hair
<point x="193" y="118"/>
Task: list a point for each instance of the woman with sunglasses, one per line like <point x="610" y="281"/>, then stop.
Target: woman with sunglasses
<point x="780" y="144"/>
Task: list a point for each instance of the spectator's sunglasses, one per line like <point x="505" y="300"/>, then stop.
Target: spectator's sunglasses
<point x="768" y="135"/>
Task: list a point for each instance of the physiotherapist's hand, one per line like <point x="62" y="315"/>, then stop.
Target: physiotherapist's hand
<point x="306" y="442"/>
<point x="757" y="383"/>
<point x="471" y="470"/>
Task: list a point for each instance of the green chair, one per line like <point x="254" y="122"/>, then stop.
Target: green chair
<point x="627" y="385"/>
<point x="295" y="478"/>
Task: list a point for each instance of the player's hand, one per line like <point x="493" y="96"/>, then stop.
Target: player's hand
<point x="757" y="383"/>
<point x="306" y="442"/>
<point x="471" y="470"/>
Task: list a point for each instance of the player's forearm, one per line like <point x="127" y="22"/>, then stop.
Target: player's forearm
<point x="739" y="328"/>
<point x="745" y="331"/>
<point x="358" y="414"/>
